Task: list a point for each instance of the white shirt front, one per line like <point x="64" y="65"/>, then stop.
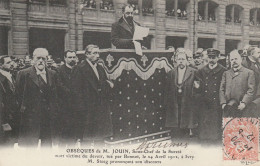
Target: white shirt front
<point x="8" y="75"/>
<point x="42" y="74"/>
<point x="181" y="73"/>
<point x="94" y="67"/>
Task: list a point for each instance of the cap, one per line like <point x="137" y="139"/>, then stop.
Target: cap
<point x="198" y="53"/>
<point x="213" y="52"/>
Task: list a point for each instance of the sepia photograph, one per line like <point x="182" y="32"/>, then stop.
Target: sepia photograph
<point x="129" y="82"/>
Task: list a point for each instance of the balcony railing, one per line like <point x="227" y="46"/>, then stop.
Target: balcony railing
<point x="177" y="24"/>
<point x="207" y="26"/>
<point x="94" y="14"/>
<point x="233" y="29"/>
<point x="48" y="10"/>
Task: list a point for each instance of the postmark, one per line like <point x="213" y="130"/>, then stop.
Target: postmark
<point x="240" y="139"/>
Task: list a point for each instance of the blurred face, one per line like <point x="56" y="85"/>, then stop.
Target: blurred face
<point x="181" y="60"/>
<point x="235" y="60"/>
<point x="129" y="13"/>
<point x="212" y="60"/>
<point x="256" y="54"/>
<point x="93" y="55"/>
<point x="40" y="61"/>
<point x="8" y="64"/>
<point x="198" y="60"/>
<point x="71" y="58"/>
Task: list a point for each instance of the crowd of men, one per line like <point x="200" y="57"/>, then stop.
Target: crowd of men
<point x="70" y="103"/>
<point x="46" y="103"/>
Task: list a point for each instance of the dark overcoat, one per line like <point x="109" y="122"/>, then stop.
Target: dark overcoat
<point x="31" y="104"/>
<point x="210" y="113"/>
<point x="65" y="96"/>
<point x="91" y="102"/>
<point x="122" y="35"/>
<point x="188" y="112"/>
<point x="240" y="86"/>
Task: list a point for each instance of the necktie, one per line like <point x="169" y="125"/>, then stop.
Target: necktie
<point x="43" y="75"/>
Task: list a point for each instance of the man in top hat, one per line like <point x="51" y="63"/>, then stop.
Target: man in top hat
<point x="210" y="114"/>
<point x="179" y="98"/>
<point x="37" y="88"/>
<point x="123" y="31"/>
<point x="238" y="83"/>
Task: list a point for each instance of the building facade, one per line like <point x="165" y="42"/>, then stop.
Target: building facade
<point x="59" y="25"/>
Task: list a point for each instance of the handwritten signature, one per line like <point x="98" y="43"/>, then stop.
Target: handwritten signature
<point x="152" y="145"/>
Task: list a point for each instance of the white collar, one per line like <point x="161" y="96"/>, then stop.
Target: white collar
<point x="91" y="64"/>
<point x="38" y="72"/>
<point x="251" y="59"/>
<point x="68" y="66"/>
<point x="213" y="67"/>
<point x="5" y="72"/>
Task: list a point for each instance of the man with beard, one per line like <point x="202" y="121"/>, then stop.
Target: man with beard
<point x="38" y="101"/>
<point x="210" y="113"/>
<point x="9" y="115"/>
<point x="237" y="88"/>
<point x="178" y="99"/>
<point x="91" y="102"/>
<point x="123" y="31"/>
<point x="65" y="97"/>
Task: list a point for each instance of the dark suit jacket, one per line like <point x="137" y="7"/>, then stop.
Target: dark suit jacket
<point x="122" y="35"/>
<point x="8" y="105"/>
<point x="240" y="87"/>
<point x="91" y="102"/>
<point x="31" y="104"/>
<point x="187" y="112"/>
<point x="65" y="95"/>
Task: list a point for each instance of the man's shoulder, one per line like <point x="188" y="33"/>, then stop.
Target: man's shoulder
<point x="26" y="70"/>
<point x="246" y="70"/>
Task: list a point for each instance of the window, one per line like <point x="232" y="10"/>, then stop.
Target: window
<point x="255" y="17"/>
<point x="170" y="8"/>
<point x="234" y="13"/>
<point x="147" y="7"/>
<point x="106" y="5"/>
<point x="57" y="2"/>
<point x="91" y="4"/>
<point x="182" y="9"/>
<point x="37" y="1"/>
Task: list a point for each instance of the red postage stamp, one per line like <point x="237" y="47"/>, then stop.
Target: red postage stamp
<point x="240" y="139"/>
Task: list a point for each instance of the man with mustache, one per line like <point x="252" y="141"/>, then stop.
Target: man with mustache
<point x="179" y="103"/>
<point x="123" y="31"/>
<point x="38" y="102"/>
<point x="9" y="116"/>
<point x="65" y="96"/>
<point x="92" y="91"/>
<point x="237" y="86"/>
<point x="210" y="114"/>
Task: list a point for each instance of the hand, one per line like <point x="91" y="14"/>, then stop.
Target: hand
<point x="196" y="84"/>
<point x="241" y="106"/>
<point x="143" y="47"/>
<point x="223" y="106"/>
<point x="111" y="84"/>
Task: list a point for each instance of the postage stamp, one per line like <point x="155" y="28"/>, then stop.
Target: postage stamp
<point x="240" y="139"/>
